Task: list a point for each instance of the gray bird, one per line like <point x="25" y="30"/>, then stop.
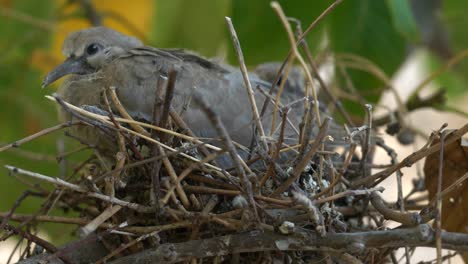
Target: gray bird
<point x="100" y="57"/>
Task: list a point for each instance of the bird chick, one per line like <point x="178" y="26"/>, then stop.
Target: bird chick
<point x="99" y="58"/>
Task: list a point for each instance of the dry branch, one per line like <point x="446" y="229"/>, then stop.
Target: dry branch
<point x="256" y="241"/>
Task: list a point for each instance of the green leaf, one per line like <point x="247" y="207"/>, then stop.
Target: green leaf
<point x="261" y="34"/>
<point x="403" y="19"/>
<point x="365" y="28"/>
<point x="454" y="18"/>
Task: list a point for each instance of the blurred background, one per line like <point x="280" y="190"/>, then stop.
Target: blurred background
<point x="404" y="41"/>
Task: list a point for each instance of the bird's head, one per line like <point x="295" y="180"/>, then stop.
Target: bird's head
<point x="89" y="50"/>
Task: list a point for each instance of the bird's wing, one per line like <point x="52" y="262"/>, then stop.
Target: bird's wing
<point x="135" y="75"/>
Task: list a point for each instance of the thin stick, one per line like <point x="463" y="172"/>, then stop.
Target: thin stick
<point x="438" y="219"/>
<point x="279" y="143"/>
<point x="125" y="246"/>
<point x="172" y="174"/>
<point x="124" y="112"/>
<point x="106" y="121"/>
<point x="452" y="186"/>
<point x="248" y="85"/>
<point x="308" y="121"/>
<point x="316" y="73"/>
<point x="38" y="134"/>
<point x="167" y="100"/>
<point x="287" y="69"/>
<point x="299" y="40"/>
<point x="29" y="20"/>
<point x="407" y="219"/>
<point x="306" y="159"/>
<point x="352" y="149"/>
<point x="184" y="174"/>
<point x="450" y="63"/>
<point x="247" y="242"/>
<point x="77" y="188"/>
<point x="121" y="155"/>
<point x="237" y="160"/>
<point x="350" y="193"/>
<point x="287" y="26"/>
<point x="411" y="159"/>
<point x="97" y="222"/>
<point x="131" y="121"/>
<point x="367" y="143"/>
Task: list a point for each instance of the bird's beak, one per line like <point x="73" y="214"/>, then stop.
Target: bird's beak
<point x="69" y="66"/>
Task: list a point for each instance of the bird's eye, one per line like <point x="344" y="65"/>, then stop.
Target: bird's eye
<point x="92" y="49"/>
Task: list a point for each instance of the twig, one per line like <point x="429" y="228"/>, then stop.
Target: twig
<point x="27" y="19"/>
<point x="172" y="76"/>
<point x="37" y="240"/>
<point x="125" y="22"/>
<point x="279" y="11"/>
<point x="289" y="64"/>
<point x="203" y="189"/>
<point x="275" y="155"/>
<point x="77" y="188"/>
<point x="313" y="212"/>
<point x="124" y="112"/>
<point x="207" y="180"/>
<point x="173" y="176"/>
<point x="306" y="159"/>
<point x="208" y="190"/>
<point x="125" y="246"/>
<point x="186" y="173"/>
<point x="450" y="63"/>
<point x="50" y="219"/>
<point x="438" y="219"/>
<point x="121" y="155"/>
<point x="91" y="13"/>
<point x="156" y="166"/>
<point x="367" y="143"/>
<point x="306" y="131"/>
<point x="15" y="206"/>
<point x="97" y="222"/>
<point x="421" y="235"/>
<point x="238" y="163"/>
<point x="105" y="120"/>
<point x="416" y="156"/>
<point x="335" y="181"/>
<point x="248" y="85"/>
<point x="407" y="219"/>
<point x="450" y="188"/>
<point x="38" y="134"/>
<point x="350" y="193"/>
<point x="315" y="70"/>
<point x="300" y="40"/>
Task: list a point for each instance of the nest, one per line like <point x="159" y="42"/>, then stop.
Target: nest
<point x="162" y="198"/>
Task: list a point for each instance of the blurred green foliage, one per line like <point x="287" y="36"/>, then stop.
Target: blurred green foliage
<point x="381" y="31"/>
<point x="455" y="22"/>
<point x="23" y="108"/>
<point x="198" y="25"/>
<point x="376" y="30"/>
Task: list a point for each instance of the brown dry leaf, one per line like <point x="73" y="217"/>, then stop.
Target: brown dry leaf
<point x="455" y="203"/>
